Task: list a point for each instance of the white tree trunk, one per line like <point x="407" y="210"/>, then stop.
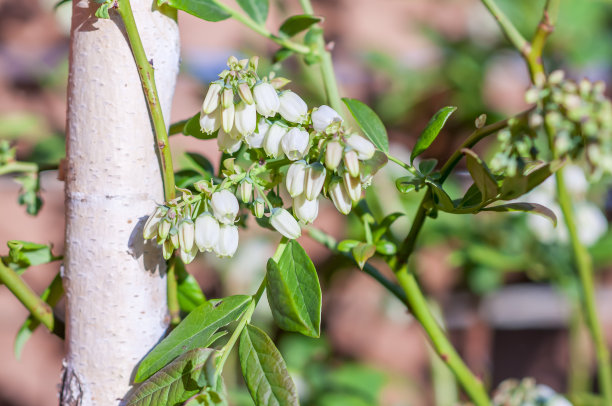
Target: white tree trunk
<point x="115" y="285"/>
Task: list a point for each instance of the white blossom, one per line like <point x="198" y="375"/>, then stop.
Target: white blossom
<point x="188" y="256"/>
<point x="256" y="138"/>
<point x="353" y="186"/>
<point x="186" y="234"/>
<point x="364" y="148"/>
<point x="206" y="232"/>
<point x="323" y="117"/>
<point x="340" y="196"/>
<point x="272" y="142"/>
<point x="211" y="101"/>
<point x="351" y="163"/>
<point x="295" y="143"/>
<point x="305" y="210"/>
<point x="333" y="155"/>
<point x="285" y="223"/>
<point x="292" y="107"/>
<point x="259" y="206"/>
<point x="296" y="176"/>
<point x="245" y="191"/>
<point x="315" y="178"/>
<point x="209" y="123"/>
<point x="245" y="118"/>
<point x="245" y="93"/>
<point x="227" y="143"/>
<point x="227" y="118"/>
<point x="151" y="226"/>
<point x="225" y="206"/>
<point x="227" y="244"/>
<point x="266" y="99"/>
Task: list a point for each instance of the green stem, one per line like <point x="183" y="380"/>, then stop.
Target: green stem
<point x="584" y="264"/>
<point x="545" y="28"/>
<point x="508" y="28"/>
<point x="401" y="163"/>
<point x="35" y="305"/>
<point x="17" y="166"/>
<point x="173" y="303"/>
<point x="327" y="66"/>
<point x="147" y="78"/>
<point x="331" y="244"/>
<point x="420" y="309"/>
<point x="261" y="29"/>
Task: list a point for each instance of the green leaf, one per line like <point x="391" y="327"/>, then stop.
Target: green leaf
<point x="205" y="9"/>
<point x="264" y="370"/>
<point x="176" y="382"/>
<point x="362" y="252"/>
<point x="426" y="166"/>
<point x="296" y="24"/>
<point x="201" y="164"/>
<point x="190" y="295"/>
<point x="196" y="330"/>
<point x="407" y="184"/>
<point x="347" y="245"/>
<point x="51" y="296"/>
<point x="481" y="175"/>
<point x="256" y="9"/>
<point x="441" y="199"/>
<point x="294" y="292"/>
<point x="23" y="254"/>
<point x="516" y="186"/>
<point x="381" y="229"/>
<point x="432" y="130"/>
<point x="369" y="122"/>
<point x="385" y="247"/>
<point x="102" y="11"/>
<point x="526" y="207"/>
<point x="282" y="54"/>
<point x="192" y="129"/>
<point x="187" y="177"/>
<point x="370" y="167"/>
<point x="472" y="198"/>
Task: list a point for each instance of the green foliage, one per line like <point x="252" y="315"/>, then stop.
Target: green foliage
<point x="369" y="122"/>
<point x="296" y="24"/>
<point x="293" y="291"/>
<point x="483" y="179"/>
<point x="207" y="10"/>
<point x="430" y="133"/>
<point x="256" y="9"/>
<point x="196" y="330"/>
<point x="533" y="208"/>
<point x="189" y="293"/>
<point x="23" y="254"/>
<point x="176" y="382"/>
<point x="264" y="370"/>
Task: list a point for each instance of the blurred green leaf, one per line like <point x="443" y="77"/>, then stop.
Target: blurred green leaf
<point x="205" y="9"/>
<point x="526" y="207"/>
<point x="190" y="295"/>
<point x="432" y="130"/>
<point x="296" y="24"/>
<point x="369" y="122"/>
<point x="362" y="252"/>
<point x="483" y="178"/>
<point x="23" y="254"/>
<point x="256" y="9"/>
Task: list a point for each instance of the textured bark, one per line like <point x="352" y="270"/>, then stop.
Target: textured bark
<point x="115" y="284"/>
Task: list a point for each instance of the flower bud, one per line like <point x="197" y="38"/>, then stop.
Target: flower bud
<point x="295" y="143"/>
<point x="188" y="256"/>
<point x="305" y="210"/>
<point x="292" y="107"/>
<point x="259" y="206"/>
<point x="211" y="101"/>
<point x="245" y="118"/>
<point x="167" y="249"/>
<point x="206" y="232"/>
<point x="227" y="143"/>
<point x="174" y="238"/>
<point x="351" y="163"/>
<point x="245" y="191"/>
<point x="333" y="155"/>
<point x="256" y="138"/>
<point x="186" y="234"/>
<point x="364" y="148"/>
<point x="225" y="206"/>
<point x="296" y="176"/>
<point x="315" y="178"/>
<point x="227" y="98"/>
<point x="353" y="186"/>
<point x="245" y="93"/>
<point x="228" y="241"/>
<point x="323" y="117"/>
<point x="164" y="228"/>
<point x="272" y="142"/>
<point x="285" y="223"/>
<point x="209" y="123"/>
<point x="266" y="99"/>
<point x="340" y="196"/>
<point x="151" y="226"/>
<point x="227" y="118"/>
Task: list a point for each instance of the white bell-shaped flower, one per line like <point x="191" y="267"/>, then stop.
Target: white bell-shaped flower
<point x="151" y="226"/>
<point x="315" y="178"/>
<point x="167" y="249"/>
<point x="245" y="190"/>
<point x="163" y="230"/>
<point x="292" y="107"/>
<point x="227" y="118"/>
<point x="227" y="143"/>
<point x="364" y="148"/>
<point x="340" y="196"/>
<point x="285" y="223"/>
<point x="323" y="117"/>
<point x="188" y="256"/>
<point x="245" y="118"/>
<point x="333" y="155"/>
<point x="353" y="186"/>
<point x="209" y="123"/>
<point x="186" y="234"/>
<point x="266" y="99"/>
<point x="259" y="206"/>
<point x="227" y="244"/>
<point x="225" y="206"/>
<point x="256" y="138"/>
<point x="295" y="143"/>
<point x="245" y="93"/>
<point x="305" y="210"/>
<point x="206" y="232"/>
<point x="296" y="176"/>
<point x="211" y="101"/>
<point x="351" y="163"/>
<point x="272" y="142"/>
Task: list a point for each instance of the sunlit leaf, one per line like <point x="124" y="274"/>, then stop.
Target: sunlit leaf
<point x="256" y="9"/>
<point x="369" y="122"/>
<point x="296" y="24"/>
<point x="205" y="9"/>
<point x="526" y="207"/>
<point x="432" y="130"/>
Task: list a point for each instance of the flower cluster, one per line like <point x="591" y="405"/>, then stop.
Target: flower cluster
<point x="578" y="117"/>
<point x="270" y="138"/>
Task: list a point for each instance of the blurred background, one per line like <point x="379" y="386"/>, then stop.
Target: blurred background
<point x="504" y="284"/>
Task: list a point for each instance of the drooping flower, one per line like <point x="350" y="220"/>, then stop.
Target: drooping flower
<point x="186" y="234"/>
<point x="245" y="190"/>
<point x="225" y="206"/>
<point x="272" y="142"/>
<point x="188" y="256"/>
<point x="323" y="117"/>
<point x="206" y="232"/>
<point x="296" y="176"/>
<point x="305" y="210"/>
<point x="256" y="138"/>
<point x="227" y="143"/>
<point x="351" y="163"/>
<point x="295" y="143"/>
<point x="292" y="107"/>
<point x="315" y="178"/>
<point x="245" y="118"/>
<point x="266" y="99"/>
<point x="333" y="155"/>
<point x="353" y="186"/>
<point x="211" y="101"/>
<point x="259" y="206"/>
<point x="364" y="148"/>
<point x="285" y="223"/>
<point x="227" y="244"/>
<point x="151" y="226"/>
<point x="245" y="93"/>
<point x="339" y="196"/>
<point x="209" y="123"/>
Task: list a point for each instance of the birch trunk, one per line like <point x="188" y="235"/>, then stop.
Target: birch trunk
<point x="115" y="284"/>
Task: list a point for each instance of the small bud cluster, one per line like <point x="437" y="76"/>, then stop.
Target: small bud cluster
<point x="273" y="139"/>
<point x="577" y="114"/>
